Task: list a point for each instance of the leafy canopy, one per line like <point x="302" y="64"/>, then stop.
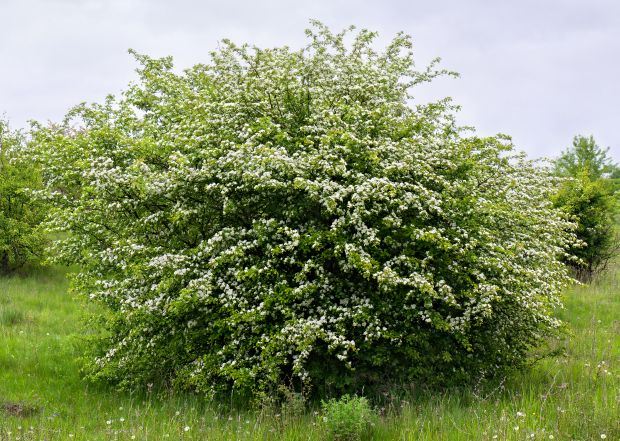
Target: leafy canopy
<point x="287" y="217"/>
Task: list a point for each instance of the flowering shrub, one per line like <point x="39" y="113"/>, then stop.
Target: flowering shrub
<point x="288" y="217"/>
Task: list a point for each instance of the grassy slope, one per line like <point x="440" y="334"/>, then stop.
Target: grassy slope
<point x="572" y="397"/>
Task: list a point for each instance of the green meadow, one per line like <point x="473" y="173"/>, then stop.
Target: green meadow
<point x="573" y="396"/>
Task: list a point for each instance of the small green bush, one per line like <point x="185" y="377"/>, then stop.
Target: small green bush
<point x="347" y="419"/>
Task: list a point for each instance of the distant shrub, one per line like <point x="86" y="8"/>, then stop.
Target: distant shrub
<point x="21" y="242"/>
<point x="287" y="217"/>
<point x="347" y="419"/>
<point x="591" y="204"/>
<point x="589" y="197"/>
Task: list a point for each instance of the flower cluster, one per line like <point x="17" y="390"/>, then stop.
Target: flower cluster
<point x="279" y="216"/>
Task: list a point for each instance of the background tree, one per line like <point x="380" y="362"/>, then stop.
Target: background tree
<point x="585" y="156"/>
<point x="21" y="241"/>
<point x="588" y="196"/>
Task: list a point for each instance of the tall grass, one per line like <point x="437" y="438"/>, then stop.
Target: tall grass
<point x="42" y="397"/>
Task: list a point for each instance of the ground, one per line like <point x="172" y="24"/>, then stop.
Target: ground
<point x="43" y="397"/>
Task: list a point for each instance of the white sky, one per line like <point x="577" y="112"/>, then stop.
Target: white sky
<point x="541" y="71"/>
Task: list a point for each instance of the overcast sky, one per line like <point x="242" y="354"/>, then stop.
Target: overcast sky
<point x="540" y="71"/>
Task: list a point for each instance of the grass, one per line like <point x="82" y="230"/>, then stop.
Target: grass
<point x="42" y="396"/>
